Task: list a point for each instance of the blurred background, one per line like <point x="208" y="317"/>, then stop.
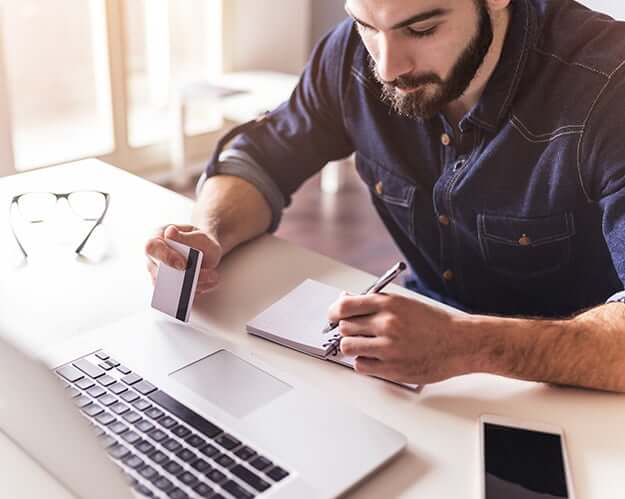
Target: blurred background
<point x="149" y="85"/>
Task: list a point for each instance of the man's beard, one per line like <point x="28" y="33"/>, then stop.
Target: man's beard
<point x="431" y="93"/>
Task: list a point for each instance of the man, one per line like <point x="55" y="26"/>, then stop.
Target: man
<point x="489" y="133"/>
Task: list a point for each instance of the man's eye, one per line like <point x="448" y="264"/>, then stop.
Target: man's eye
<point x="421" y="33"/>
<point x="363" y="28"/>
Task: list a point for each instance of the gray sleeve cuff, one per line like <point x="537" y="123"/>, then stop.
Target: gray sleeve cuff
<point x="242" y="165"/>
<point x="620" y="296"/>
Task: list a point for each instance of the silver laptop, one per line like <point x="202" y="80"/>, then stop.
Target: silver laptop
<point x="167" y="411"/>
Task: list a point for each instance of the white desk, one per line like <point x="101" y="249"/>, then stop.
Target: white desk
<point x="49" y="300"/>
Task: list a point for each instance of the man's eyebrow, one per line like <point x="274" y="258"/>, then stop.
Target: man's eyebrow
<point x="424" y="16"/>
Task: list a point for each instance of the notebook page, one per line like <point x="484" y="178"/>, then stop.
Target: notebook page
<point x="297" y="320"/>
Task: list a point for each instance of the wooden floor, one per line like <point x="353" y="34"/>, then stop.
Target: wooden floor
<point x="343" y="226"/>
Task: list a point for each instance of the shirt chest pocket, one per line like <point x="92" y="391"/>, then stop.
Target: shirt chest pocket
<point x="526" y="248"/>
<point x="392" y="193"/>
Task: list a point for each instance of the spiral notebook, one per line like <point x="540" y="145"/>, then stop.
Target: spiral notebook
<point x="298" y="319"/>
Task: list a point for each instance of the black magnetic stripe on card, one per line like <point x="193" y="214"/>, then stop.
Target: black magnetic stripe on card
<point x="187" y="285"/>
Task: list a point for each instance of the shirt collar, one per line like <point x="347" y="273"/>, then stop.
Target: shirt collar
<point x="503" y="85"/>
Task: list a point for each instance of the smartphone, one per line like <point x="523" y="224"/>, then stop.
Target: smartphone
<point x="523" y="460"/>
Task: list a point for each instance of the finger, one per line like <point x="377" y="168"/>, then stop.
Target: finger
<point x="357" y="326"/>
<point x="208" y="276"/>
<point x="374" y="348"/>
<point x="375" y="367"/>
<point x="199" y="240"/>
<point x="353" y="306"/>
<point x="204" y="288"/>
<point x="152" y="267"/>
<point x="159" y="250"/>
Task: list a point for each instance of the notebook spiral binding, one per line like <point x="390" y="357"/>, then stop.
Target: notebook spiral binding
<point x="334" y="342"/>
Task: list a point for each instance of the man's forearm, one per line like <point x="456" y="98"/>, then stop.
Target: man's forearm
<point x="588" y="350"/>
<point x="232" y="210"/>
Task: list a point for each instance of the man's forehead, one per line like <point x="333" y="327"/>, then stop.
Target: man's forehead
<point x="384" y="14"/>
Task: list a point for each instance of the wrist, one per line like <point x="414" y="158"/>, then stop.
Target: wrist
<point x="513" y="347"/>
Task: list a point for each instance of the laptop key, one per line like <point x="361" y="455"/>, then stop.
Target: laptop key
<point x="88" y="368"/>
<point x="82" y="401"/>
<point x="158" y="457"/>
<point x="144" y="446"/>
<point x="118" y="428"/>
<point x="107" y="400"/>
<point x="123" y="369"/>
<point x="105" y="418"/>
<point x="117" y="388"/>
<point x="105" y="366"/>
<point x="142" y="405"/>
<point x="157" y="435"/>
<point x="209" y="450"/>
<point x="72" y="392"/>
<point x="131" y="437"/>
<point x="148" y="472"/>
<point x="216" y="476"/>
<point x="119" y="408"/>
<point x="145" y="426"/>
<point x="236" y="490"/>
<point x="172" y="445"/>
<point x="92" y="410"/>
<point x="203" y="490"/>
<point x="186" y="455"/>
<point x="118" y="451"/>
<point x="188" y="478"/>
<point x="245" y="453"/>
<point x="163" y="484"/>
<point x="132" y="417"/>
<point x="249" y="477"/>
<point x="107" y="440"/>
<point x="142" y="489"/>
<point x="102" y="355"/>
<point x="173" y="468"/>
<point x="144" y="387"/>
<point x="276" y="473"/>
<point x="177" y="494"/>
<point x="195" y="441"/>
<point x="154" y="413"/>
<point x="129" y="396"/>
<point x="96" y="391"/>
<point x="112" y="362"/>
<point x="260" y="463"/>
<point x="185" y="414"/>
<point x="181" y="431"/>
<point x="224" y="460"/>
<point x="84" y="383"/>
<point x="131" y="379"/>
<point x="227" y="441"/>
<point x="106" y="380"/>
<point x="70" y="373"/>
<point x="132" y="461"/>
<point x="200" y="465"/>
<point x="167" y="422"/>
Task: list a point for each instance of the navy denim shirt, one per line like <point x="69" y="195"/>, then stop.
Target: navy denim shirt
<point x="522" y="211"/>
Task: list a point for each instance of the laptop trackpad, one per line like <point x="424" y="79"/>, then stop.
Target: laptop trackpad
<point x="230" y="383"/>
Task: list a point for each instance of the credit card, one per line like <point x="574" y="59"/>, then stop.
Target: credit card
<point x="174" y="290"/>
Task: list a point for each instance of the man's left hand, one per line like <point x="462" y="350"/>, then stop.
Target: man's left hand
<point x="403" y="339"/>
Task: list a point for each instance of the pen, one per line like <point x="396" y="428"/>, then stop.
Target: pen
<point x="376" y="287"/>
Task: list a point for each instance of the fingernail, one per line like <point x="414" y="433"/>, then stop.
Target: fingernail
<point x="181" y="265"/>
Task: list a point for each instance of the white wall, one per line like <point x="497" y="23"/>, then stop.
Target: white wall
<point x="269" y="34"/>
<point x="614" y="8"/>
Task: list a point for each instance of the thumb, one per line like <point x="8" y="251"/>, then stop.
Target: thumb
<point x="200" y="241"/>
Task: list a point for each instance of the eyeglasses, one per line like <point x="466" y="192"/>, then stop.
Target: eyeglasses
<point x="37" y="207"/>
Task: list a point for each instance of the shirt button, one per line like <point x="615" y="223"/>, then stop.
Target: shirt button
<point x="448" y="275"/>
<point x="445" y="139"/>
<point x="443" y="220"/>
<point x="379" y="188"/>
<point x="525" y="240"/>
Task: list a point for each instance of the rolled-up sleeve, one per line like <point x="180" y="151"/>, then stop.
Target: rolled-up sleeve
<point x="602" y="168"/>
<point x="298" y="138"/>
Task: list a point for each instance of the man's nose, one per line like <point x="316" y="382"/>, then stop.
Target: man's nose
<point x="393" y="61"/>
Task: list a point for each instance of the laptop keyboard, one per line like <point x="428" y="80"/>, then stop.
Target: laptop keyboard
<point x="164" y="448"/>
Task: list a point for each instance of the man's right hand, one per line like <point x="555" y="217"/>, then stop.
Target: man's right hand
<point x="157" y="250"/>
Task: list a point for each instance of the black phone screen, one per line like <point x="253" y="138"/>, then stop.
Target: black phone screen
<point x="523" y="464"/>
